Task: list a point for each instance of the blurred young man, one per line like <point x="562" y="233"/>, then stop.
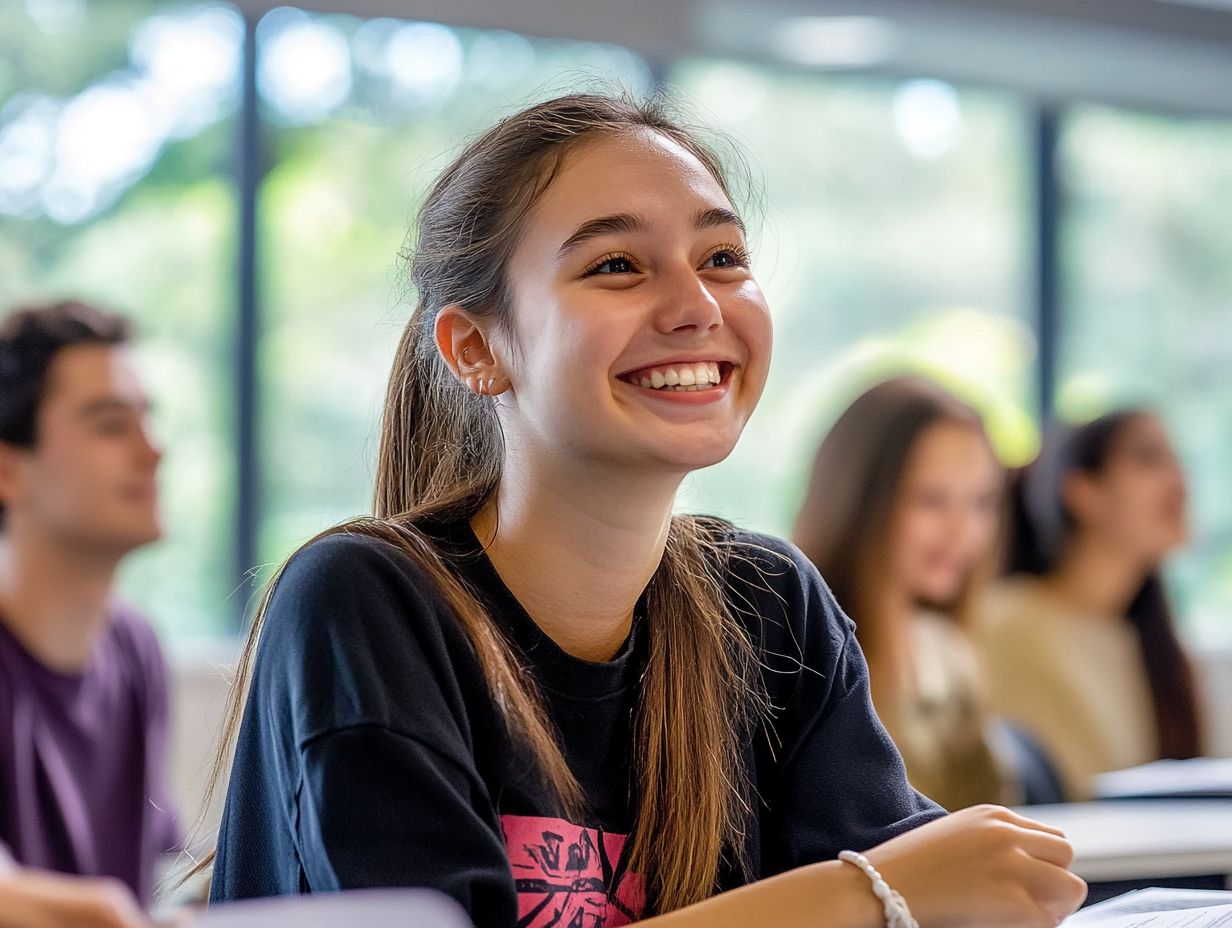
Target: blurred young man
<point x="83" y="687"/>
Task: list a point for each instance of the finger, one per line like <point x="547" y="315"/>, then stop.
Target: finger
<point x="1054" y="889"/>
<point x="1045" y="846"/>
<point x="1070" y="895"/>
<point x="1022" y="821"/>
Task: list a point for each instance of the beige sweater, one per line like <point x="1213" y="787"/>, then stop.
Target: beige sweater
<point x="939" y="721"/>
<point x="1075" y="682"/>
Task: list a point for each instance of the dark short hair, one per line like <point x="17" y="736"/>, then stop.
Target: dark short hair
<point x="30" y="338"/>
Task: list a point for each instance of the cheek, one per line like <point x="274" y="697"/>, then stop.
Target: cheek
<point x="62" y="490"/>
<point x="916" y="533"/>
<point x="746" y="311"/>
<point x="89" y="465"/>
<point x="1137" y="503"/>
<point x="759" y="334"/>
<point x="982" y="534"/>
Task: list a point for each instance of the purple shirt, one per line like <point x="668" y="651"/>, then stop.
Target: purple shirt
<point x="82" y="756"/>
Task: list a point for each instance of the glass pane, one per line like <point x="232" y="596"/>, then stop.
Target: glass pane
<point x="365" y="114"/>
<point x="893" y="237"/>
<point x="1149" y="285"/>
<point x="115" y="137"/>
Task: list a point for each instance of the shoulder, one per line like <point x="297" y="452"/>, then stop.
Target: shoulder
<point x="775" y="573"/>
<point x="349" y="576"/>
<point x="764" y="559"/>
<point x="1012" y="604"/>
<point x="335" y="560"/>
<point x="1019" y="624"/>
<point x="350" y="592"/>
<point x="356" y="631"/>
<point x="781" y="598"/>
<point x="137" y="642"/>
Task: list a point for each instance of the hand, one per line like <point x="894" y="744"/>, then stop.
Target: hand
<point x="34" y="899"/>
<point x="984" y="866"/>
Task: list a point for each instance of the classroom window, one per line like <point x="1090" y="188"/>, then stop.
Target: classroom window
<point x="115" y="141"/>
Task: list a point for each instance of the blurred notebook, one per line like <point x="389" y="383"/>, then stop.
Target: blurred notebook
<point x="1158" y="908"/>
<point x="1199" y="778"/>
<point x="371" y="908"/>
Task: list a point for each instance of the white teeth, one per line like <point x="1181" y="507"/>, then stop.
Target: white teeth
<point x="687" y="377"/>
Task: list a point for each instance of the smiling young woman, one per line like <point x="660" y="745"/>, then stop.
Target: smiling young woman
<point x="524" y="681"/>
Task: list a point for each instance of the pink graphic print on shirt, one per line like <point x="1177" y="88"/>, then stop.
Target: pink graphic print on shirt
<point x="568" y="876"/>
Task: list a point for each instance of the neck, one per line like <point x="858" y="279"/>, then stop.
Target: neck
<point x="54" y="599"/>
<point x="1097" y="577"/>
<point x="577" y="551"/>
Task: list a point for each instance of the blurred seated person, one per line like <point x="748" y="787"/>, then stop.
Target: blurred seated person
<point x="1079" y="638"/>
<point x="37" y="899"/>
<point x="901" y="513"/>
<point x="83" y="686"/>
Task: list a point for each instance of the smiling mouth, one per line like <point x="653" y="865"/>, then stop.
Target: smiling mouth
<point x="689" y="377"/>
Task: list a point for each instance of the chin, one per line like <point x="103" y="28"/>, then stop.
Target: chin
<point x="680" y="453"/>
<point x="138" y="535"/>
<point x="940" y="596"/>
<point x="692" y="462"/>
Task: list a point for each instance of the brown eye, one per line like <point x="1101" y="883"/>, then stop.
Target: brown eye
<point x="729" y="256"/>
<point x="613" y="264"/>
<point x="111" y="426"/>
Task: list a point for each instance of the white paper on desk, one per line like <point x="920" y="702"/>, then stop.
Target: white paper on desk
<point x="1196" y="777"/>
<point x="1158" y="908"/>
<point x="375" y="908"/>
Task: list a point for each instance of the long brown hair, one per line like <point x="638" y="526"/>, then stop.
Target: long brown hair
<point x="846" y="518"/>
<point x="440" y="457"/>
<point x="1042" y="525"/>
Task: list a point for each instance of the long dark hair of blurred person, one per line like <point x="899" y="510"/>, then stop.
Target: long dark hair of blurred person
<point x="901" y="515"/>
<point x="1091" y="521"/>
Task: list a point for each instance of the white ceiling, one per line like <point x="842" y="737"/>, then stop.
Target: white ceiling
<point x="1170" y="54"/>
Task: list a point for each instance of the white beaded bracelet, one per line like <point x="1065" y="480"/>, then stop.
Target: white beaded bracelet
<point x="897" y="915"/>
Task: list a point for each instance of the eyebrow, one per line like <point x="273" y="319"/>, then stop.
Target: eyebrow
<point x="604" y="225"/>
<point x="110" y="404"/>
<point x="627" y="222"/>
<point x="717" y="216"/>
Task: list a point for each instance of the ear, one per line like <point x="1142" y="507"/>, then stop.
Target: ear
<point x="467" y="349"/>
<point x="10" y="473"/>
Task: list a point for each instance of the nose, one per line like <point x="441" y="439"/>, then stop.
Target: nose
<point x="958" y="528"/>
<point x="150" y="448"/>
<point x="686" y="303"/>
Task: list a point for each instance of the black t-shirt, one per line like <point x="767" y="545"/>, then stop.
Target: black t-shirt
<point x="372" y="754"/>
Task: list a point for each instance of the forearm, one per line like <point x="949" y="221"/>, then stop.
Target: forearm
<point x="824" y="895"/>
<point x="34" y="899"/>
